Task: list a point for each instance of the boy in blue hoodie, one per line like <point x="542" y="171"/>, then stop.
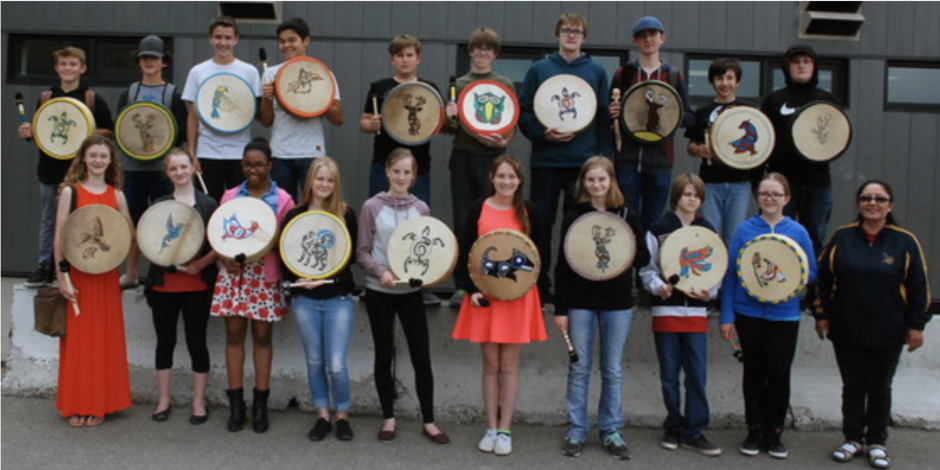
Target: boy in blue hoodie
<point x="557" y="157"/>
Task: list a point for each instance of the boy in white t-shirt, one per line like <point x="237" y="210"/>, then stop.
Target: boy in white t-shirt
<point x="219" y="155"/>
<point x="295" y="142"/>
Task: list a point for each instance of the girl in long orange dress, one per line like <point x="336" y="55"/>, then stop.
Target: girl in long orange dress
<point x="502" y="327"/>
<point x="93" y="376"/>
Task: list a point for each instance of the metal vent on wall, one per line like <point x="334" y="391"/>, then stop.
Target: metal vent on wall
<point x="252" y="12"/>
<point x="831" y="20"/>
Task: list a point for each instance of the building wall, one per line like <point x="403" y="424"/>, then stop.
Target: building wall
<point x="351" y="38"/>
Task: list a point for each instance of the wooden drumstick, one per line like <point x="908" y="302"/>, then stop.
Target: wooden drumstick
<point x="413" y="282"/>
<point x="64" y="267"/>
<point x="572" y="355"/>
<point x="453" y="98"/>
<point x="375" y="110"/>
<point x="202" y="182"/>
<point x="306" y="282"/>
<point x="618" y="139"/>
<point x="263" y="55"/>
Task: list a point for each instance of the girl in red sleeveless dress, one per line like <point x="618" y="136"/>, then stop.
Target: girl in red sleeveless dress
<point x="93" y="376"/>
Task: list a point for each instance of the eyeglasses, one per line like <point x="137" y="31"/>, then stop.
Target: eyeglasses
<point x="878" y="199"/>
<point x="772" y="196"/>
<point x="572" y="31"/>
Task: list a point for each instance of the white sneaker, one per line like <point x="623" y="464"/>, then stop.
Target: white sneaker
<point x="488" y="443"/>
<point x="503" y="444"/>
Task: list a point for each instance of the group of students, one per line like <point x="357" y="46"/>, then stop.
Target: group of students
<point x="868" y="325"/>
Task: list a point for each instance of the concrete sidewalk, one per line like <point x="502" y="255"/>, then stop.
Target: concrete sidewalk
<point x="36" y="438"/>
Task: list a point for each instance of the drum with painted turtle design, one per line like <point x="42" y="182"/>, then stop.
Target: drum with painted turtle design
<point x="566" y="103"/>
<point x="60" y="126"/>
<point x="423" y="248"/>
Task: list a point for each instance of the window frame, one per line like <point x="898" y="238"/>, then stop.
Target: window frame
<point x="908" y="106"/>
<point x="97" y="71"/>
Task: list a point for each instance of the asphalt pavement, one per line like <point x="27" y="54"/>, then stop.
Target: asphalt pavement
<point x="35" y="437"/>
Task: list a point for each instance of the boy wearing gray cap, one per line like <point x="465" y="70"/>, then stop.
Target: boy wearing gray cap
<point x="644" y="170"/>
<point x="145" y="181"/>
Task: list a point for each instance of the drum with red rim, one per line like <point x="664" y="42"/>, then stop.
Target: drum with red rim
<point x="487" y="107"/>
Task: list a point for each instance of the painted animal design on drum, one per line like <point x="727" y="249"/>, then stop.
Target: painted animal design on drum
<point x="694" y="262"/>
<point x="746" y="143"/>
<point x="304" y="82"/>
<point x="601" y="238"/>
<point x="489" y="107"/>
<point x="232" y="228"/>
<point x="566" y="103"/>
<point x="94" y="238"/>
<point x="652" y="110"/>
<point x="60" y="127"/>
<point x="507" y="268"/>
<point x="221" y="102"/>
<point x="172" y="232"/>
<point x="766" y="270"/>
<point x="421" y="246"/>
<point x="316" y="248"/>
<point x="821" y="131"/>
<point x="414" y="105"/>
<point x="144" y="125"/>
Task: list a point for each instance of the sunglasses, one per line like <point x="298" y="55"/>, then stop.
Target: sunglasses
<point x="878" y="199"/>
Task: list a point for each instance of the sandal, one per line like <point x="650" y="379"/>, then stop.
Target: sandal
<point x="76" y="421"/>
<point x="847" y="451"/>
<point x="878" y="457"/>
<point x="94" y="421"/>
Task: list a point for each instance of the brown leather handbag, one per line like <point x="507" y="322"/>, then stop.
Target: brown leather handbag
<point x="49" y="311"/>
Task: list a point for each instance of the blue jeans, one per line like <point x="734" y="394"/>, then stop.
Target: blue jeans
<point x="48" y="196"/>
<point x="325" y="326"/>
<point x="614" y="328"/>
<point x="289" y="173"/>
<point x="378" y="182"/>
<point x="645" y="193"/>
<point x="685" y="352"/>
<point x="725" y="207"/>
<point x="141" y="188"/>
<point x="811" y="206"/>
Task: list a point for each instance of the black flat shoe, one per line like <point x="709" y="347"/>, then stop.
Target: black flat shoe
<point x="343" y="431"/>
<point x="161" y="416"/>
<point x="320" y="430"/>
<point x="197" y="420"/>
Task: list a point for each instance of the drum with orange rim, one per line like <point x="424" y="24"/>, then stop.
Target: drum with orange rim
<point x="305" y="87"/>
<point x="487" y="107"/>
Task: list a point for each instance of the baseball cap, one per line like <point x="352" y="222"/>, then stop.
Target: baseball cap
<point x="150" y="46"/>
<point x="647" y="23"/>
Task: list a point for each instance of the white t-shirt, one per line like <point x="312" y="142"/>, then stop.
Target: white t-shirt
<point x="295" y="138"/>
<point x="211" y="144"/>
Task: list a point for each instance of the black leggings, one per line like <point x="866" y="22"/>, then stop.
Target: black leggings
<point x="866" y="392"/>
<point x="769" y="347"/>
<point x="166" y="308"/>
<point x="382" y="309"/>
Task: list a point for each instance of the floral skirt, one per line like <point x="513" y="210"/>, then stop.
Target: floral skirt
<point x="246" y="294"/>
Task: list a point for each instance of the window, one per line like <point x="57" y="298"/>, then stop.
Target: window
<point x="514" y="62"/>
<point x="111" y="60"/>
<point x="268" y="12"/>
<point x="912" y="87"/>
<point x="761" y="76"/>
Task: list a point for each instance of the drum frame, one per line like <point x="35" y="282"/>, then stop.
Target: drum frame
<point x="536" y="260"/>
<point x="82" y="108"/>
<point x="278" y="91"/>
<point x="393" y="92"/>
<point x="796" y="116"/>
<point x="70" y="232"/>
<point x="623" y="110"/>
<point x="207" y="123"/>
<point x="789" y="243"/>
<point x="725" y="115"/>
<point x="397" y="235"/>
<point x="540" y="95"/>
<point x="144" y="217"/>
<point x="283" y="241"/>
<point x="663" y="264"/>
<point x="174" y="131"/>
<point x="607" y="276"/>
<point x="465" y="121"/>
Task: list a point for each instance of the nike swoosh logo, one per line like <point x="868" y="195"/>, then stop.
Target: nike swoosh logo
<point x="714" y="116"/>
<point x="786" y="110"/>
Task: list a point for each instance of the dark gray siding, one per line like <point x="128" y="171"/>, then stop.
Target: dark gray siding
<point x="351" y="38"/>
